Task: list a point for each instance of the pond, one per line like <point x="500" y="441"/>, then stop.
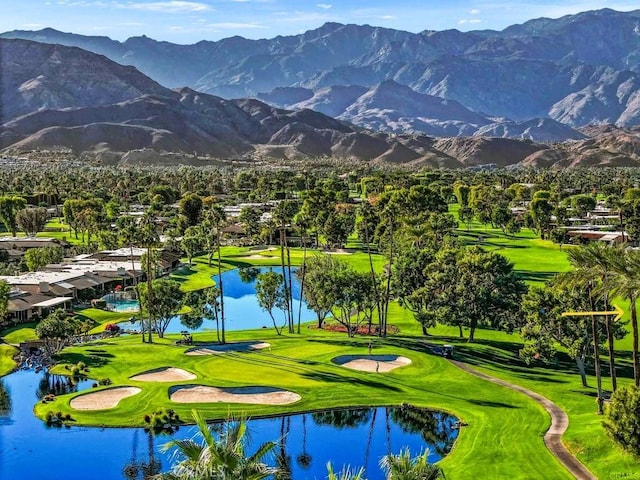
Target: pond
<point x="358" y="436"/>
<point x="242" y="311"/>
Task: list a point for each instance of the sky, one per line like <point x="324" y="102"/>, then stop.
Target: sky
<point x="189" y="21"/>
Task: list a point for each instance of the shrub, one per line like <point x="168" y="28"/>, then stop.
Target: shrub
<point x="104" y="381"/>
<point x="622" y="421"/>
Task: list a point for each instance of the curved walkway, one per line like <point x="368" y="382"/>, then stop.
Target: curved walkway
<point x="559" y="423"/>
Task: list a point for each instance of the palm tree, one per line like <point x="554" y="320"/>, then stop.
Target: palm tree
<point x="149" y="238"/>
<point x="404" y="467"/>
<point x="345" y="474"/>
<point x="215" y="217"/>
<point x="221" y="457"/>
<point x="582" y="277"/>
<point x="626" y="283"/>
<point x="601" y="261"/>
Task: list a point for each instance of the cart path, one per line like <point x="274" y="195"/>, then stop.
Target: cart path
<point x="559" y="423"/>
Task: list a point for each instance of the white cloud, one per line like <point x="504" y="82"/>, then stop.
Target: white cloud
<point x="172" y="6"/>
<point x="235" y="25"/>
<point x="326" y="6"/>
<point x="388" y="17"/>
<point x="33" y="25"/>
<point x="176" y="28"/>
<point x="474" y="11"/>
<point x="469" y="20"/>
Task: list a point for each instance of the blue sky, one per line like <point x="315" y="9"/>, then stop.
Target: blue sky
<point x="188" y="21"/>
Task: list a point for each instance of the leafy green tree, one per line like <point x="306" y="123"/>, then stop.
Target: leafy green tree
<point x="250" y="219"/>
<point x="270" y="295"/>
<point x="191" y="208"/>
<point x="168" y="299"/>
<point x="410" y="277"/>
<point x="9" y="208"/>
<point x="317" y="285"/>
<point x="56" y="330"/>
<point x="484" y="290"/>
<point x="192" y="242"/>
<point x="622" y="421"/>
<point x="38" y="258"/>
<point x="31" y="220"/>
<point x="5" y="289"/>
<point x="544" y="327"/>
<point x="405" y="467"/>
<point x="582" y="204"/>
<point x="219" y="457"/>
<point x="540" y="210"/>
<point x="461" y="191"/>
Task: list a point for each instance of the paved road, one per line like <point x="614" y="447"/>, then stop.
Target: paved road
<point x="559" y="424"/>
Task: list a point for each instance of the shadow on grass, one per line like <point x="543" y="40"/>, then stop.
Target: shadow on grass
<point x="335" y="378"/>
<point x="535" y="276"/>
<point x="489" y="403"/>
<point x="93" y="360"/>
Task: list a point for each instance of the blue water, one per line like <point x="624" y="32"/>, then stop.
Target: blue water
<point x="358" y="437"/>
<point x="242" y="311"/>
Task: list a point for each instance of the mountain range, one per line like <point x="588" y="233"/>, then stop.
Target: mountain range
<point x="392" y="94"/>
<point x="578" y="69"/>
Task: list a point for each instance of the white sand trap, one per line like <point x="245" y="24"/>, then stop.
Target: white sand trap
<point x="338" y="252"/>
<point x="215" y="349"/>
<point x="103" y="399"/>
<point x="371" y="363"/>
<point x="166" y="374"/>
<point x="259" y="395"/>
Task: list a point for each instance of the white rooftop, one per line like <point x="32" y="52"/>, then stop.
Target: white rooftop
<point x="52" y="302"/>
<point x="125" y="252"/>
<point x="26" y="239"/>
<point x="34" y="278"/>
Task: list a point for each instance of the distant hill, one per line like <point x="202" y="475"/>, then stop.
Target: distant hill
<point x="578" y="69"/>
<point x="64" y="97"/>
<point x="392" y="107"/>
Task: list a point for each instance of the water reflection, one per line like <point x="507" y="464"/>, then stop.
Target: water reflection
<point x="353" y="436"/>
<point x="51" y="384"/>
<point x="5" y="400"/>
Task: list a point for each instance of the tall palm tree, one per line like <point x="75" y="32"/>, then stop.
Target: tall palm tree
<point x="626" y="283"/>
<point x="221" y="457"/>
<point x="404" y="467"/>
<point x="148" y="236"/>
<point x="215" y="218"/>
<point x="602" y="263"/>
<point x="582" y="278"/>
<point x="595" y="263"/>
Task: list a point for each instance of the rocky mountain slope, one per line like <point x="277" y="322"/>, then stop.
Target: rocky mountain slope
<point x="100" y="110"/>
<point x="578" y="69"/>
<point x="392" y="107"/>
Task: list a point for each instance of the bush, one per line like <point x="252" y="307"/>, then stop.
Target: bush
<point x="622" y="421"/>
<point x="104" y="381"/>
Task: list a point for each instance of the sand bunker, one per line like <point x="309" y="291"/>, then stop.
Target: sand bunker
<point x="166" y="374"/>
<point x="338" y="252"/>
<point x="215" y="349"/>
<point x="103" y="399"/>
<point x="372" y="363"/>
<point x="259" y="395"/>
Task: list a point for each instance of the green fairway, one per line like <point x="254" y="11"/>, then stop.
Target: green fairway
<point x="535" y="260"/>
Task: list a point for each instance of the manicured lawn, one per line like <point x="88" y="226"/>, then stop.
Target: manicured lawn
<point x="19" y="333"/>
<point x="535" y="260"/>
<point x="303" y="364"/>
<point x="6" y="359"/>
